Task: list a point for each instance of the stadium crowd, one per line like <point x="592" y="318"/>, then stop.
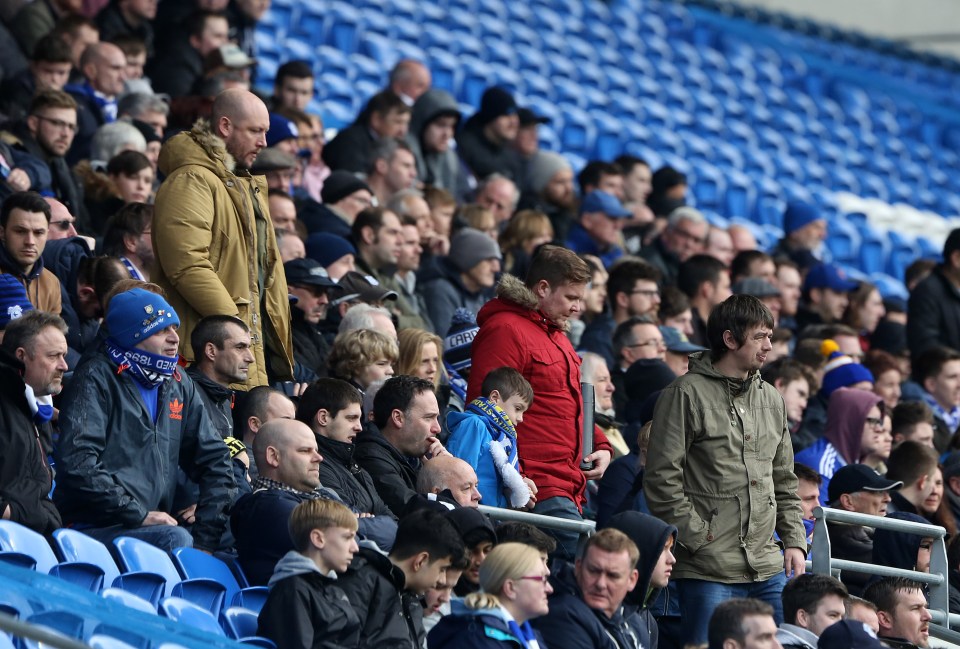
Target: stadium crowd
<point x="317" y="358"/>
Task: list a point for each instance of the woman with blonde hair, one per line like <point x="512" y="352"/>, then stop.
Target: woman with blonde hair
<point x="527" y="230"/>
<point x="362" y="357"/>
<point x="420" y="354"/>
<point x="514" y="584"/>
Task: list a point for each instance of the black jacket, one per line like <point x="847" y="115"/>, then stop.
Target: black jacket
<point x="571" y="624"/>
<point x="62" y="257"/>
<point x="112" y="24"/>
<point x="350" y="149"/>
<point x="320" y="218"/>
<point x="176" y="70"/>
<point x="390" y="617"/>
<point x="25" y="477"/>
<point x="90" y="117"/>
<point x="340" y="472"/>
<point x="663" y="260"/>
<point x="483" y="157"/>
<point x="306" y="609"/>
<point x="259" y="524"/>
<point x="218" y="400"/>
<point x="394" y="475"/>
<point x="933" y="314"/>
<point x="115" y="465"/>
<point x="310" y="348"/>
<point x="853" y="543"/>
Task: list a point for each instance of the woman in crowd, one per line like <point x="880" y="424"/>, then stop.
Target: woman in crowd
<point x="865" y="312"/>
<point x="128" y="179"/>
<point x="363" y="357"/>
<point x="515" y="586"/>
<point x="527" y="230"/>
<point x="936" y="508"/>
<point x="420" y="353"/>
<point x="886" y="376"/>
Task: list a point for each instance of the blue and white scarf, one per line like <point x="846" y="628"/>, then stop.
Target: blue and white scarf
<point x="951" y="418"/>
<point x="41" y="408"/>
<point x="503" y="448"/>
<point x="149" y="370"/>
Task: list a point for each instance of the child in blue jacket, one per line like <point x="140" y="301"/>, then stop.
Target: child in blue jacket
<point x="485" y="437"/>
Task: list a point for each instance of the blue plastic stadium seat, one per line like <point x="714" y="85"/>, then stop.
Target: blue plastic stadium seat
<point x="475" y="80"/>
<point x="128" y="599"/>
<point x="104" y="641"/>
<point x="889" y="287"/>
<point x="68" y="624"/>
<point x="843" y="240"/>
<point x="194" y="564"/>
<point x="343" y="27"/>
<point x="578" y="133"/>
<point x="874" y="251"/>
<point x="333" y="87"/>
<point x="138" y="556"/>
<point x="928" y="250"/>
<point x="17" y="538"/>
<point x="379" y="48"/>
<point x="239" y="622"/>
<point x="186" y="612"/>
<point x="84" y="575"/>
<point x="740" y="195"/>
<point x="708" y="188"/>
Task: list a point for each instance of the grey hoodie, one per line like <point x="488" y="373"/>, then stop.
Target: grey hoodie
<point x="795" y="637"/>
<point x="293" y="563"/>
<point x="439" y="169"/>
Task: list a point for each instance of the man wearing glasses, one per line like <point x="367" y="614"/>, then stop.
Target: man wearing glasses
<point x="47" y="134"/>
<point x="684" y="237"/>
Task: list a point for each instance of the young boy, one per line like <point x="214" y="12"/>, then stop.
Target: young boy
<point x="305" y="608"/>
<point x="385" y="591"/>
<point x="486" y="438"/>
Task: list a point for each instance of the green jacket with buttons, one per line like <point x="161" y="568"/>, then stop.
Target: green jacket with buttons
<point x="720" y="468"/>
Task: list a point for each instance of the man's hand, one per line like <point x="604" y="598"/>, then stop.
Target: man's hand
<point x="18" y="180"/>
<point x="188" y="515"/>
<point x="533" y="494"/>
<point x="794" y="562"/>
<point x="159" y="518"/>
<point x="435" y="449"/>
<point x="601" y="460"/>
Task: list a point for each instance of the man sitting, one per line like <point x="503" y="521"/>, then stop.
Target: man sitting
<point x="811" y="603"/>
<point x="902" y="612"/>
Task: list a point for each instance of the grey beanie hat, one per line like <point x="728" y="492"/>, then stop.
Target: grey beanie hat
<point x="542" y="168"/>
<point x="469" y="247"/>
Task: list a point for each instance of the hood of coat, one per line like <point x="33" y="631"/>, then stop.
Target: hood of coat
<point x="429" y="106"/>
<point x="293" y="563"/>
<point x="701" y="364"/>
<point x="846" y="415"/>
<point x="198" y="146"/>
<point x="513" y="295"/>
<point x="650" y="535"/>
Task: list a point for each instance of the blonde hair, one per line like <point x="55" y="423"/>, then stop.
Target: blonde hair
<point x="505" y="561"/>
<point x="525" y="226"/>
<point x="477" y="217"/>
<point x="354" y="350"/>
<point x="318" y="514"/>
<point x="412" y="341"/>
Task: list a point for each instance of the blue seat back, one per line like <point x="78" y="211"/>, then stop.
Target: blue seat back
<point x="128" y="599"/>
<point x="77" y="546"/>
<point x="194" y="564"/>
<point x="17" y="538"/>
<point x="180" y="610"/>
<point x="240" y="622"/>
<point x="138" y="556"/>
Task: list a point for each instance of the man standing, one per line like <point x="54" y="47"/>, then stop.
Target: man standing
<point x="214" y="242"/>
<point x="933" y="316"/>
<point x="484" y="141"/>
<point x="128" y="419"/>
<point x="937" y="370"/>
<point x="385" y="116"/>
<point x="24" y="222"/>
<point x="902" y="611"/>
<point x="32" y="363"/>
<point x="721" y="469"/>
<point x="523" y="328"/>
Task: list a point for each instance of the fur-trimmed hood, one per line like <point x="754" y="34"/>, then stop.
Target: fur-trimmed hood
<point x="198" y="146"/>
<point x="514" y="293"/>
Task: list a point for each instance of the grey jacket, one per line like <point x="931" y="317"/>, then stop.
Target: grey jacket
<point x="720" y="468"/>
<point x="437" y="168"/>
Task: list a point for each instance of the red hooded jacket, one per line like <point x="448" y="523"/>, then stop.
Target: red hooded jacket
<point x="514" y="333"/>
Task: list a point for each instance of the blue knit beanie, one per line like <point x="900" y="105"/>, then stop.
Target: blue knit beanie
<point x="840" y="370"/>
<point x="13" y="300"/>
<point x="135" y="315"/>
<point x="797" y="215"/>
<point x="459" y="340"/>
<point x="325" y="248"/>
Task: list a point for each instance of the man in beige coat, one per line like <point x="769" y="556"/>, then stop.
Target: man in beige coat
<point x="216" y="253"/>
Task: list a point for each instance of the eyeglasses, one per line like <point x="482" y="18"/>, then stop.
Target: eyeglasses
<point x="874" y="422"/>
<point x="541" y="578"/>
<point x="58" y="123"/>
<point x="63" y="225"/>
<point x="653" y="342"/>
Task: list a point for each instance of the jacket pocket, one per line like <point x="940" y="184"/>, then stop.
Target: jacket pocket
<point x="547" y="371"/>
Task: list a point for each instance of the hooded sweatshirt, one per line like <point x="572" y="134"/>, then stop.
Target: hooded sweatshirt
<point x="898" y="549"/>
<point x="840" y="444"/>
<point x="307" y="609"/>
<point x="437" y="168"/>
<point x="650" y="534"/>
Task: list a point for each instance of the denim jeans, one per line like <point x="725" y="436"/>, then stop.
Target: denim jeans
<point x="165" y="537"/>
<point x="561" y="507"/>
<point x="699" y="598"/>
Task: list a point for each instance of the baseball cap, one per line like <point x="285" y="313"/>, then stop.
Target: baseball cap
<point x="229" y="56"/>
<point x="858" y="477"/>
<point x="828" y="276"/>
<point x="677" y="341"/>
<point x="755" y="286"/>
<point x="600" y="201"/>
<point x="307" y="272"/>
<point x="529" y="118"/>
<point x="281" y="129"/>
<point x="366" y="288"/>
<point x="849" y="634"/>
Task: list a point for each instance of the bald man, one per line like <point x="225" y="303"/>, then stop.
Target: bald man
<point x="103" y="67"/>
<point x="215" y="248"/>
<point x="289" y="462"/>
<point x="410" y="79"/>
<point x="62" y="222"/>
<point x="446" y="472"/>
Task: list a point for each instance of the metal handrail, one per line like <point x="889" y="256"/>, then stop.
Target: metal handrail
<point x="823" y="563"/>
<point x="552" y="522"/>
<point x="39" y="634"/>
